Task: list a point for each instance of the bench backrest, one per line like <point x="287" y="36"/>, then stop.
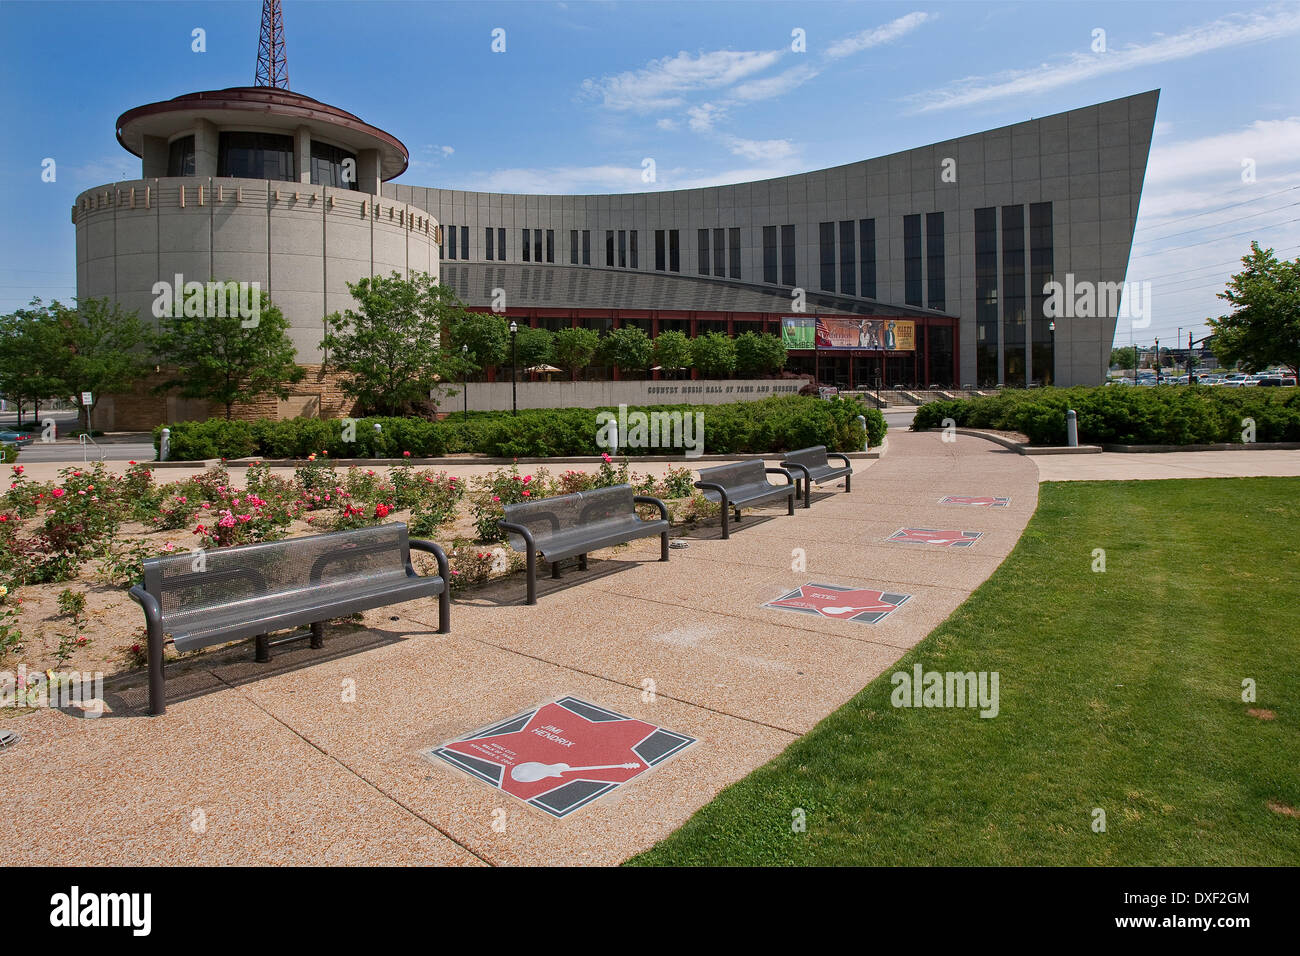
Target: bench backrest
<point x="814" y="457"/>
<point x="741" y="474"/>
<point x="191" y="581"/>
<point x="547" y="517"/>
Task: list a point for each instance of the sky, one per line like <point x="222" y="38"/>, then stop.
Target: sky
<point x="713" y="92"/>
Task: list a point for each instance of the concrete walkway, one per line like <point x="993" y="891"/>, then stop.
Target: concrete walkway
<point x="1142" y="466"/>
<point x="274" y="763"/>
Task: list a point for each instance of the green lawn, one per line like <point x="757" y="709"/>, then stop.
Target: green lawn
<point x="1120" y="691"/>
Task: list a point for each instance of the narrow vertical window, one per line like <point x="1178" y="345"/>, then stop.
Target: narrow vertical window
<point x="674" y="250"/>
<point x="733" y="252"/>
<point x="912" y="259"/>
<point x="867" y="256"/>
<point x="934" y="261"/>
<point x="848" y="258"/>
<point x="659" y="251"/>
<point x="826" y="243"/>
<point x="702" y="256"/>
<point x="787" y="256"/>
<point x="769" y="254"/>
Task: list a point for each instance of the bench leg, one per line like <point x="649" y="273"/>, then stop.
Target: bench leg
<point x="807" y="493"/>
<point x="318" y="635"/>
<point x="262" y="645"/>
<point x="848" y="483"/>
<point x="737" y="515"/>
<point x="726" y="513"/>
<point x="444" y="610"/>
<point x="157" y="698"/>
<point x="532" y="576"/>
<point x="663" y="546"/>
<point x="582" y="562"/>
<point x="555" y="569"/>
<point x="790" y="500"/>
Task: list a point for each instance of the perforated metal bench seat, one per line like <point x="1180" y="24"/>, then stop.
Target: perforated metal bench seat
<point x="574" y="525"/>
<point x="744" y="483"/>
<point x="814" y="464"/>
<point x="228" y="594"/>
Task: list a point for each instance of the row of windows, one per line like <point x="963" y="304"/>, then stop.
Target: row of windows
<point x="726" y="248"/>
<point x="455" y="240"/>
<point x="623" y="249"/>
<point x="770" y="255"/>
<point x="266" y="156"/>
<point x="1020" y="330"/>
<point x="857" y="256"/>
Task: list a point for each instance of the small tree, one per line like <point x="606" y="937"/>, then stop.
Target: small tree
<point x="103" y="349"/>
<point x="535" y="347"/>
<point x="714" y="354"/>
<point x="219" y="359"/>
<point x="389" y="348"/>
<point x="629" y="348"/>
<point x="31" y="356"/>
<point x="1123" y="357"/>
<point x="1264" y="326"/>
<point x="575" y="348"/>
<point x="758" y="354"/>
<point x="672" y="351"/>
<point x="485" y="334"/>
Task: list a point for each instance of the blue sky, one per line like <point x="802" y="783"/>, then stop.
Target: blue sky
<point x="712" y="92"/>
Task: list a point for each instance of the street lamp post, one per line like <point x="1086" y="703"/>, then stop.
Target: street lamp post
<point x="514" y="378"/>
<point x="464" y="377"/>
<point x="1051" y="329"/>
<point x="1157" y="361"/>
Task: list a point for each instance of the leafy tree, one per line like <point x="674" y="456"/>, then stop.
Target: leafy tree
<point x="535" y="347"/>
<point x="759" y="354"/>
<point x="485" y="334"/>
<point x="218" y="359"/>
<point x="1123" y="357"/>
<point x="714" y="354"/>
<point x="1264" y="327"/>
<point x="575" y="348"/>
<point x="389" y="348"/>
<point x="672" y="351"/>
<point x="30" y="356"/>
<point x="629" y="348"/>
<point x="101" y="348"/>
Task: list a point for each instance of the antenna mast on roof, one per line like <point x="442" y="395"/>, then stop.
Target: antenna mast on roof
<point x="272" y="64"/>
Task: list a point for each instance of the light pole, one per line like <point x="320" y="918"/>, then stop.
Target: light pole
<point x="1157" y="360"/>
<point x="464" y="377"/>
<point x="1051" y="329"/>
<point x="514" y="378"/>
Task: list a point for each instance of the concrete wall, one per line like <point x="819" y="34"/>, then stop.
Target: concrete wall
<point x="303" y="243"/>
<point x="495" y="396"/>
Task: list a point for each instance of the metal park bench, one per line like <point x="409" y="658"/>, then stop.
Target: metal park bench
<point x="815" y="467"/>
<point x="744" y="483"/>
<point x="567" y="526"/>
<point x="250" y="590"/>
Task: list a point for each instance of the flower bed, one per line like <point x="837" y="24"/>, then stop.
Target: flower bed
<point x="70" y="548"/>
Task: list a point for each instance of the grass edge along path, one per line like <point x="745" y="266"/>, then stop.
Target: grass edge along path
<point x="1119" y="691"/>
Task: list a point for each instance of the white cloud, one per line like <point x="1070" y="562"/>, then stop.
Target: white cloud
<point x="1231" y="31"/>
<point x="667" y="124"/>
<point x="767" y="87"/>
<point x="1272" y="144"/>
<point x="877" y="36"/>
<point x="701" y="118"/>
<point x="756" y="149"/>
<point x="662" y="84"/>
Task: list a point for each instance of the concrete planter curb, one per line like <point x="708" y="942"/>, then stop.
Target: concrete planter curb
<point x="1222" y="446"/>
<point x="1025" y="449"/>
<point x="874" y="453"/>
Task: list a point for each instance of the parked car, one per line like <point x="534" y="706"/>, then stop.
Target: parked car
<point x="10" y="437"/>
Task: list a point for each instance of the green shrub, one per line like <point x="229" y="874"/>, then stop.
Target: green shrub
<point x="766" y="426"/>
<point x="1160" y="415"/>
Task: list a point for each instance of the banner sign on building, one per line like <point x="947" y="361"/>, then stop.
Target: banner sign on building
<point x="848" y="332"/>
<point x="562" y="755"/>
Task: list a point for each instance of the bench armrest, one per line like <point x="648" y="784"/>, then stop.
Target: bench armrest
<point x="844" y="458"/>
<point x="152" y="610"/>
<point x="803" y="468"/>
<point x="429" y="547"/>
<point x="781" y="471"/>
<point x="529" y="541"/>
<point x="651" y="500"/>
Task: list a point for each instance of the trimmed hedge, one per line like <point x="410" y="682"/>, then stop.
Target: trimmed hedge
<point x="1128" y="415"/>
<point x="766" y="426"/>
